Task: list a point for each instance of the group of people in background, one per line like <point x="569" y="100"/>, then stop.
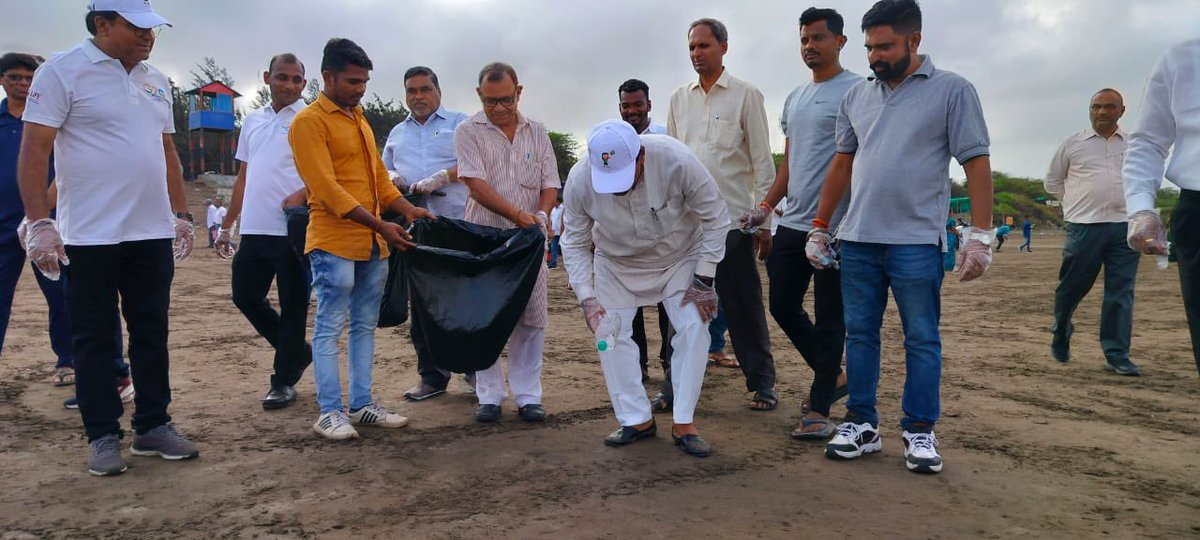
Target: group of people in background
<point x="676" y="216"/>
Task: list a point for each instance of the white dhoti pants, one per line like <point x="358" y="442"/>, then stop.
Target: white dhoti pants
<point x="623" y="373"/>
<point x="525" y="348"/>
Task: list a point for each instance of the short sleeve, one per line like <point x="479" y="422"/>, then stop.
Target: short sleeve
<point x="169" y="126"/>
<point x="49" y="101"/>
<point x="844" y="136"/>
<point x="783" y="117"/>
<point x="549" y="171"/>
<point x="467" y="152"/>
<point x="967" y="130"/>
<point x="243" y="152"/>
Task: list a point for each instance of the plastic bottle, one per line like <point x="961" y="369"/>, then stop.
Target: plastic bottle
<point x="1164" y="261"/>
<point x="606" y="332"/>
<point x="831" y="261"/>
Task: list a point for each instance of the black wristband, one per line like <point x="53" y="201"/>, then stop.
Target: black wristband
<point x="185" y="215"/>
<point x="708" y="281"/>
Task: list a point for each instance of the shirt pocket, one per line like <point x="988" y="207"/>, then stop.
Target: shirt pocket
<point x="529" y="171"/>
<point x="728" y="134"/>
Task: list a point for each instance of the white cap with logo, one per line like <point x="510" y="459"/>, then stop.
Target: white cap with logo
<point x="137" y="12"/>
<point x="613" y="148"/>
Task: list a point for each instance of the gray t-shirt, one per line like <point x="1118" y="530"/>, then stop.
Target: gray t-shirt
<point x="902" y="141"/>
<point x="809" y="121"/>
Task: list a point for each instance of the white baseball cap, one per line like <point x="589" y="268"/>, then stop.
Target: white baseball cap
<point x="137" y="12"/>
<point x="613" y="148"/>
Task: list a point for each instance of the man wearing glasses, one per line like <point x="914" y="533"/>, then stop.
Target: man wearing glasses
<point x="508" y="163"/>
<point x="122" y="215"/>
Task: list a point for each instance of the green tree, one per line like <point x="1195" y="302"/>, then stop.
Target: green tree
<point x="311" y="91"/>
<point x="262" y="98"/>
<point x="565" y="148"/>
<point x="208" y="71"/>
<point x="383" y="116"/>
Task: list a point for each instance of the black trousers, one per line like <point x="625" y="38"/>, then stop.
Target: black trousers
<point x="820" y="344"/>
<point x="140" y="274"/>
<point x="740" y="290"/>
<point x="260" y="260"/>
<point x="1185" y="229"/>
<point x="664" y="330"/>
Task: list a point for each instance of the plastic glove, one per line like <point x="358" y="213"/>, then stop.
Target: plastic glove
<point x="1147" y="233"/>
<point x="434" y="182"/>
<point x="543" y="221"/>
<point x="398" y="181"/>
<point x="224" y="244"/>
<point x="21" y="231"/>
<point x="819" y="249"/>
<point x="185" y="237"/>
<point x="976" y="254"/>
<point x="752" y="219"/>
<point x="704" y="296"/>
<point x="592" y="312"/>
<point x="44" y="246"/>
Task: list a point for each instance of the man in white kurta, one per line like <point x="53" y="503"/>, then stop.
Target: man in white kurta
<point x="658" y="223"/>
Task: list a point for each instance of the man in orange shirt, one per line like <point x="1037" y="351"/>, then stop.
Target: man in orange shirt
<point x="347" y="245"/>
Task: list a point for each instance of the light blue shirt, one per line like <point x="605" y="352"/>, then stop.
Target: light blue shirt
<point x="416" y="150"/>
<point x="654" y="129"/>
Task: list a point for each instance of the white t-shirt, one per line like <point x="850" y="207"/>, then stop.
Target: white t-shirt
<point x="556" y="223"/>
<point x="212" y="216"/>
<point x="221" y="211"/>
<point x="270" y="170"/>
<point x="108" y="155"/>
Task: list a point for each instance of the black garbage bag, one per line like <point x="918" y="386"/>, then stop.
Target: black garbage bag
<point x="393" y="310"/>
<point x="469" y="286"/>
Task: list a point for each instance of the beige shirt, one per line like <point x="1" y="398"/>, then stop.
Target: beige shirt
<point x="650" y="241"/>
<point x="727" y="129"/>
<point x="1085" y="175"/>
<point x="519" y="170"/>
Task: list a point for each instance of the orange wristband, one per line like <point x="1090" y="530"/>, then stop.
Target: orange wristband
<point x="818" y="222"/>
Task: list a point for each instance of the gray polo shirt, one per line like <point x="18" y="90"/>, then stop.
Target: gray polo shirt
<point x="809" y="121"/>
<point x="902" y="141"/>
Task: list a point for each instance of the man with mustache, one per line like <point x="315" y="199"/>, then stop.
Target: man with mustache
<point x="896" y="134"/>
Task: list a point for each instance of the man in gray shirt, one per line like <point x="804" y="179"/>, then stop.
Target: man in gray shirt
<point x="809" y="118"/>
<point x="896" y="134"/>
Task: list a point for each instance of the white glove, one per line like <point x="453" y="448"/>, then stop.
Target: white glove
<point x="44" y="246"/>
<point x="398" y="181"/>
<point x="434" y="182"/>
<point x="703" y="296"/>
<point x="755" y="218"/>
<point x="819" y="249"/>
<point x="224" y="244"/>
<point x="1147" y="234"/>
<point x="976" y="255"/>
<point x="592" y="312"/>
<point x="185" y="237"/>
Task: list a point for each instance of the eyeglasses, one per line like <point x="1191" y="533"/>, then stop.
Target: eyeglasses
<point x="16" y="77"/>
<point x="142" y="32"/>
<point x="491" y="103"/>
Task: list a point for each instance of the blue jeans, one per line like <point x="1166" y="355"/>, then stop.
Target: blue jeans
<point x="555" y="251"/>
<point x="716" y="331"/>
<point x="914" y="274"/>
<point x="344" y="287"/>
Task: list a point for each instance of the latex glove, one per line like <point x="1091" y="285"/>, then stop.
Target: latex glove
<point x="543" y="221"/>
<point x="398" y="181"/>
<point x="434" y="182"/>
<point x="185" y="237"/>
<point x="592" y="312"/>
<point x="752" y="219"/>
<point x="819" y="249"/>
<point x="44" y="246"/>
<point x="704" y="297"/>
<point x="224" y="244"/>
<point x="1147" y="233"/>
<point x="976" y="254"/>
<point x="21" y="231"/>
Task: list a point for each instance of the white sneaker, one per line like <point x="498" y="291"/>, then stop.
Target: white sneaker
<point x="334" y="425"/>
<point x="920" y="453"/>
<point x="853" y="440"/>
<point x="375" y="415"/>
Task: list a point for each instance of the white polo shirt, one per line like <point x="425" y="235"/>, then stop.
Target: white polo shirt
<point x="270" y="170"/>
<point x="108" y="154"/>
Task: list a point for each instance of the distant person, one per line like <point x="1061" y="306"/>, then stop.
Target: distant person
<point x="896" y="135"/>
<point x="1002" y="233"/>
<point x="1027" y="232"/>
<point x="953" y="243"/>
<point x="1085" y="175"/>
<point x="556" y="229"/>
<point x="122" y="222"/>
<point x="1170" y="125"/>
<point x="635" y="106"/>
<point x="723" y="120"/>
<point x="210" y="221"/>
<point x="347" y="243"/>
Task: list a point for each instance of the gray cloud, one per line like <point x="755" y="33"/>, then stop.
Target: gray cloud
<point x="1034" y="62"/>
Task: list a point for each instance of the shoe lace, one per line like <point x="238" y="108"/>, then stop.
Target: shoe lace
<point x="108" y="443"/>
<point x="922" y="441"/>
<point x="849" y="430"/>
<point x="338" y="419"/>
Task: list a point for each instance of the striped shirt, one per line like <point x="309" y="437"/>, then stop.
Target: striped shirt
<point x="518" y="170"/>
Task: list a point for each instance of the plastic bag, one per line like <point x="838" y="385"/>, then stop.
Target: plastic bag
<point x="393" y="309"/>
<point x="469" y="286"/>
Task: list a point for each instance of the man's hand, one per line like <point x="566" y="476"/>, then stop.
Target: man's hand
<point x="395" y="235"/>
<point x="754" y="218"/>
<point x="525" y="219"/>
<point x="592" y="312"/>
<point x="1147" y="234"/>
<point x="543" y="221"/>
<point x="415" y="213"/>
<point x="704" y="296"/>
<point x="224" y="244"/>
<point x="819" y="249"/>
<point x="762" y="243"/>
<point x="398" y="181"/>
<point x="434" y="182"/>
<point x="976" y="254"/>
<point x="44" y="246"/>
<point x="185" y="237"/>
<point x="298" y="198"/>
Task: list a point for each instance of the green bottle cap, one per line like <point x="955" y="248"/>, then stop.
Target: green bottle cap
<point x="602" y="346"/>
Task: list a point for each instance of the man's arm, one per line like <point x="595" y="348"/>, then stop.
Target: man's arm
<point x="576" y="240"/>
<point x="1150" y="142"/>
<point x="175" y="188"/>
<point x="33" y="167"/>
<point x="1056" y="175"/>
<point x="779" y="189"/>
<point x="703" y="197"/>
<point x="235" y="201"/>
<point x="486" y="195"/>
<point x="837" y="181"/>
<point x="758" y="140"/>
<point x="979" y="190"/>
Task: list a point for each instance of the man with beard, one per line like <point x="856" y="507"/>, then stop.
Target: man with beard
<point x="809" y="121"/>
<point x="896" y="134"/>
<point x="267" y="177"/>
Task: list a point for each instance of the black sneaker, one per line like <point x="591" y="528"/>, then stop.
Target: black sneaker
<point x="163" y="441"/>
<point x="853" y="440"/>
<point x="104" y="456"/>
<point x="1123" y="367"/>
<point x="71" y="403"/>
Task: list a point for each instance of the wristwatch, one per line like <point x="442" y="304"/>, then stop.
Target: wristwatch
<point x="185" y="215"/>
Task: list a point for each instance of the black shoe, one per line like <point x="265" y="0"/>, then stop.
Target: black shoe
<point x="1123" y="367"/>
<point x="629" y="434"/>
<point x="279" y="397"/>
<point x="532" y="413"/>
<point x="487" y="413"/>
<point x="692" y="445"/>
<point x="1060" y="348"/>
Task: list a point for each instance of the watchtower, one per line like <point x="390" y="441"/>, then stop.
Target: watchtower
<point x="210" y="112"/>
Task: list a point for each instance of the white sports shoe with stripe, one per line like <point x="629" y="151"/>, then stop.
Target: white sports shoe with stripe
<point x="377" y="416"/>
<point x="334" y="425"/>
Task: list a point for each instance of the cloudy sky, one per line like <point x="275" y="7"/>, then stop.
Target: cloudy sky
<point x="1034" y="62"/>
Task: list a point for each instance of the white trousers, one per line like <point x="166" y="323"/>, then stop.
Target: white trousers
<point x="524" y="370"/>
<point x="623" y="373"/>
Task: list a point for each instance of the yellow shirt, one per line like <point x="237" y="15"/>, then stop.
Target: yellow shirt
<point x="337" y="160"/>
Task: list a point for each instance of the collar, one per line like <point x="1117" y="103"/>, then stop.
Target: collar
<point x="96" y="55"/>
<point x="440" y="113"/>
<point x="722" y="81"/>
<point x="1090" y="132"/>
<point x="4" y="109"/>
<point x="481" y="118"/>
<point x="926" y="70"/>
<point x="330" y="107"/>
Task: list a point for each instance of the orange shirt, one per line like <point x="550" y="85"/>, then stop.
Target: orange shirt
<point x="340" y="166"/>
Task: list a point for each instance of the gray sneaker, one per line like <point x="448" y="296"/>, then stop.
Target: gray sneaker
<point x="104" y="456"/>
<point x="165" y="442"/>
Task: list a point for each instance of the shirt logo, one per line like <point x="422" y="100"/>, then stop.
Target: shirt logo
<point x="604" y="157"/>
<point x="34" y="97"/>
